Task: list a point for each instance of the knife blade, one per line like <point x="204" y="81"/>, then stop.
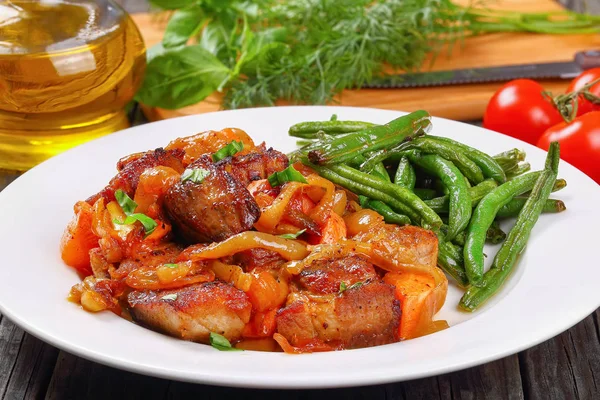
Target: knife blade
<point x="555" y="70"/>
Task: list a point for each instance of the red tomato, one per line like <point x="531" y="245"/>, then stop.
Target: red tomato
<point x="576" y="84"/>
<point x="519" y="109"/>
<point x="579" y="142"/>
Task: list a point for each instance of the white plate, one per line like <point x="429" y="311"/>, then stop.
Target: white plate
<point x="554" y="287"/>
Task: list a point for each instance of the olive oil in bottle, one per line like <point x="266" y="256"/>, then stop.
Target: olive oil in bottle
<point x="67" y="70"/>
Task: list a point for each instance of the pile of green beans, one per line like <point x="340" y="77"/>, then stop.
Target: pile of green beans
<point x="459" y="192"/>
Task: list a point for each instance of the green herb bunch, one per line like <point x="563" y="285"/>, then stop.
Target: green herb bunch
<point x="307" y="51"/>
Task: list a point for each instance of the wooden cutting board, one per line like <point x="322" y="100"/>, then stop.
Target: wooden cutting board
<point x="464" y="102"/>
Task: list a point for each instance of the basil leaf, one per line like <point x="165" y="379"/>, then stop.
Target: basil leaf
<point x="356" y="285"/>
<point x="181" y="76"/>
<point x="172" y="297"/>
<point x="170" y="265"/>
<point x="182" y="25"/>
<point x="228" y="150"/>
<point x="342" y="287"/>
<point x="221" y="343"/>
<point x="215" y="39"/>
<point x="292" y="235"/>
<point x="127" y="204"/>
<point x="290" y="174"/>
<point x="154" y="51"/>
<point x="172" y="4"/>
<point x="196" y="175"/>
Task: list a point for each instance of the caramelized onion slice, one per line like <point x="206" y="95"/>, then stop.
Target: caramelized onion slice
<point x="288" y="249"/>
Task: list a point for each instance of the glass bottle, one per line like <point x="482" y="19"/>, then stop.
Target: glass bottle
<point x="67" y="71"/>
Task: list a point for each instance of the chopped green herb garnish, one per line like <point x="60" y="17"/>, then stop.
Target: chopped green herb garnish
<point x="170" y="265"/>
<point x="228" y="151"/>
<point x="221" y="343"/>
<point x="344" y="287"/>
<point x="170" y="297"/>
<point x="196" y="175"/>
<point x="292" y="235"/>
<point x="290" y="174"/>
<point x="128" y="206"/>
<point x="148" y="223"/>
<point x="333" y="117"/>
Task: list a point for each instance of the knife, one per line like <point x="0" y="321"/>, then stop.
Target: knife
<point x="557" y="70"/>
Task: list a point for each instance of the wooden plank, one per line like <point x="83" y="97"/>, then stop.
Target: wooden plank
<point x="33" y="369"/>
<point x="466" y="102"/>
<point x="76" y="378"/>
<point x="567" y="367"/>
<point x="10" y="343"/>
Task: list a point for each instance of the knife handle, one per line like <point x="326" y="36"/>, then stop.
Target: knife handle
<point x="588" y="59"/>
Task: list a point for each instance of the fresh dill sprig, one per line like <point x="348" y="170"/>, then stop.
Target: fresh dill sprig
<point x="307" y="51"/>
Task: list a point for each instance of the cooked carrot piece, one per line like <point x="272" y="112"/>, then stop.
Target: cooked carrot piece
<point x="420" y="297"/>
<point x="78" y="239"/>
<point x="334" y="229"/>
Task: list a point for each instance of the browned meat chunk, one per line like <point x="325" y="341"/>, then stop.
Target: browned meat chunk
<point x="257" y="260"/>
<point x="362" y="316"/>
<point x="324" y="276"/>
<point x="256" y="165"/>
<point x="193" y="312"/>
<point x="211" y="210"/>
<point x="131" y="168"/>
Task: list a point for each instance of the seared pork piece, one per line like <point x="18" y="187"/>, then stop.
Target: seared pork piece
<point x="323" y="276"/>
<point x="212" y="210"/>
<point x="366" y="313"/>
<point x="193" y="312"/>
<point x="131" y="168"/>
<point x="258" y="164"/>
<point x="361" y="316"/>
<point x="258" y="260"/>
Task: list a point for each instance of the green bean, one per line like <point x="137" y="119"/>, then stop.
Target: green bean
<point x="518" y="170"/>
<point x="512" y="208"/>
<point x="425" y="194"/>
<point x="381" y="172"/>
<point x="459" y="240"/>
<point x="494" y="234"/>
<point x="302" y="143"/>
<point x="489" y="166"/>
<point x="516" y="240"/>
<point x="429" y="146"/>
<point x="427" y="218"/>
<point x="458" y="192"/>
<point x="389" y="215"/>
<point x="367" y="191"/>
<point x="405" y="174"/>
<point x="450" y="264"/>
<point x="483" y="216"/>
<point x="308" y="130"/>
<point x="510" y="158"/>
<point x="379" y="169"/>
<point x="340" y="150"/>
<point x="298" y="154"/>
<point x="441" y="204"/>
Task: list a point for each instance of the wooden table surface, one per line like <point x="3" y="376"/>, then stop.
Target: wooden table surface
<point x="565" y="367"/>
